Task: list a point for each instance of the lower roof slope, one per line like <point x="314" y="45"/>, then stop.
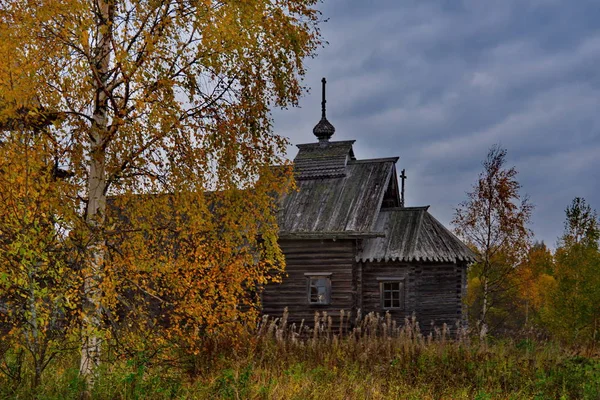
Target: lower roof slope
<point x="412" y="234"/>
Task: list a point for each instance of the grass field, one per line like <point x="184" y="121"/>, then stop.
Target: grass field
<point x="377" y="360"/>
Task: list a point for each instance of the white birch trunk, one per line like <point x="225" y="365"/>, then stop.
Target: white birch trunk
<point x="484" y="310"/>
<point x="96" y="207"/>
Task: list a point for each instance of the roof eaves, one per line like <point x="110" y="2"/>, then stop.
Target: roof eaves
<point x="331" y="235"/>
<point x="472" y="255"/>
<point x="409" y="259"/>
<point x="305" y="176"/>
<point x="317" y="144"/>
<point x="374" y="160"/>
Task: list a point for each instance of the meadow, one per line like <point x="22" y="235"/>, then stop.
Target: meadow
<point x="370" y="358"/>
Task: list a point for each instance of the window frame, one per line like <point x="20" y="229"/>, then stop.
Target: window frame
<point x="401" y="293"/>
<point x="310" y="276"/>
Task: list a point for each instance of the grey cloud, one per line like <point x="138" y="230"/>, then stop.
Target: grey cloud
<point x="438" y="82"/>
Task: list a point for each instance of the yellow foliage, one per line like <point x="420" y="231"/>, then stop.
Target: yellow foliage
<point x="473" y="291"/>
<point x="158" y="115"/>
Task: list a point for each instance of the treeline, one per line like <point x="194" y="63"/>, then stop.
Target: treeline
<point x="520" y="286"/>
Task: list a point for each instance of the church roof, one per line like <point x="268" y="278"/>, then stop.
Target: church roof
<point x="335" y="194"/>
<point x="412" y="234"/>
<point x="338" y="196"/>
<point x="323" y="160"/>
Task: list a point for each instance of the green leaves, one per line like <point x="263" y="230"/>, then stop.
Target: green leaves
<point x="581" y="224"/>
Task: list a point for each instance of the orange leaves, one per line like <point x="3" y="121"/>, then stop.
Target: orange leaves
<point x="495" y="215"/>
<point x="195" y="262"/>
<point x="533" y="277"/>
<point x="165" y="125"/>
<point x="494" y="220"/>
<point x="38" y="286"/>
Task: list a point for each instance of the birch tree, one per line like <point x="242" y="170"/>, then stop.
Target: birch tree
<point x="158" y="97"/>
<point x="494" y="220"/>
<point x="573" y="310"/>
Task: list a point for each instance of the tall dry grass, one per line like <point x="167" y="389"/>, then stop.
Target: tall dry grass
<point x="371" y="357"/>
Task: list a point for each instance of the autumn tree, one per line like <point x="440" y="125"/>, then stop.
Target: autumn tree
<point x="494" y="220"/>
<point x="573" y="314"/>
<point x="581" y="225"/>
<point x="534" y="280"/>
<point x="150" y="98"/>
<point x="37" y="286"/>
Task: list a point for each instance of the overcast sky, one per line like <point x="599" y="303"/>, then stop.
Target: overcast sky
<point x="438" y="82"/>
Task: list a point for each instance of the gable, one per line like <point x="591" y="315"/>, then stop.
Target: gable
<point x="391" y="197"/>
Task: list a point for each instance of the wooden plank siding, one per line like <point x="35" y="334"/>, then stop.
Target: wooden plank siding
<point x="371" y="295"/>
<point x="313" y="256"/>
<point x="438" y="295"/>
<point x="432" y="291"/>
<point x="462" y="281"/>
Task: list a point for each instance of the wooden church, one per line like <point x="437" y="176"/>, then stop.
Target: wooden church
<point x="351" y="244"/>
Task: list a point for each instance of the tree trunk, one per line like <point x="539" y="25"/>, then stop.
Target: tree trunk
<point x="90" y="350"/>
<point x="484" y="310"/>
<point x="96" y="207"/>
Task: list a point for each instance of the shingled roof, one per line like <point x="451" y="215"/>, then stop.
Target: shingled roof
<point x="336" y="194"/>
<point x="412" y="234"/>
<point x="323" y="160"/>
<point x="344" y="204"/>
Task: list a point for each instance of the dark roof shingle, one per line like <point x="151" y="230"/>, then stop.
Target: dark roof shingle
<point x="348" y="203"/>
<point x="412" y="234"/>
<point x="322" y="160"/>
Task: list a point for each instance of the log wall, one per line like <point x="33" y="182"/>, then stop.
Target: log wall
<point x="433" y="292"/>
<point x="313" y="256"/>
<point x="439" y="295"/>
<point x="371" y="296"/>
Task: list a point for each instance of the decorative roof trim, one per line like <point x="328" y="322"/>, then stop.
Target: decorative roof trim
<point x="339" y="142"/>
<point x="416" y="259"/>
<point x="318" y="273"/>
<point x="303" y="176"/>
<point x="419" y="208"/>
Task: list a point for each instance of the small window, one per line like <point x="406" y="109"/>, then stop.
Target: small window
<point x="319" y="289"/>
<point x="392" y="295"/>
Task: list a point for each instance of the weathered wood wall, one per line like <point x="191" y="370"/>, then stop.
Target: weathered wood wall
<point x="439" y="295"/>
<point x="432" y="291"/>
<point x="310" y="256"/>
<point x="371" y="296"/>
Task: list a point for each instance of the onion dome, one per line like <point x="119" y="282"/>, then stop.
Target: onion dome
<point x="323" y="130"/>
